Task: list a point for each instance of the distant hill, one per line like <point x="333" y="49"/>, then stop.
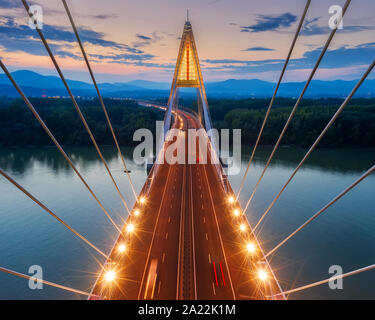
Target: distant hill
<point x="38" y="85"/>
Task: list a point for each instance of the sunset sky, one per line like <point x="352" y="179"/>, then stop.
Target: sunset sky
<point x="242" y="39"/>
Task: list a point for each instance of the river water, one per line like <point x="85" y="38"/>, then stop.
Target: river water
<point x="344" y="235"/>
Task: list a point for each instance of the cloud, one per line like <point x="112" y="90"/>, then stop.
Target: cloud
<point x="270" y="23"/>
<point x="342" y="57"/>
<point x="14" y="37"/>
<point x="9" y="4"/>
<point x="142" y="37"/>
<point x="105" y="16"/>
<point x="312" y="28"/>
<point x="147" y="40"/>
<point x="258" y="49"/>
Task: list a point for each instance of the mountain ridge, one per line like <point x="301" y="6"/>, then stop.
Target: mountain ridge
<point x="35" y="84"/>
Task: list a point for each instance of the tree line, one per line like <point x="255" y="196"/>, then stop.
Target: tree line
<point x="355" y="127"/>
<point x="18" y="126"/>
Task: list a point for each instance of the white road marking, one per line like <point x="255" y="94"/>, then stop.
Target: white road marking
<point x="159" y="287"/>
<point x="213" y="288"/>
<point x="204" y="219"/>
<point x="206" y="236"/>
<point x="166" y="236"/>
<point x="169" y="219"/>
<point x="209" y="258"/>
<point x="163" y="258"/>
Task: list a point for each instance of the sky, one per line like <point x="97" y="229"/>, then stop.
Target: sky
<point x="236" y="39"/>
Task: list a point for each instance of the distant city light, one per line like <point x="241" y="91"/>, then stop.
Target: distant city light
<point x="262" y="275"/>
<point x="130" y="228"/>
<point x="110" y="276"/>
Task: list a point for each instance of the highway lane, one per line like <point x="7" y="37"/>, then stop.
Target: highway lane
<point x="187" y="243"/>
<point x="165" y="245"/>
<point x="129" y="265"/>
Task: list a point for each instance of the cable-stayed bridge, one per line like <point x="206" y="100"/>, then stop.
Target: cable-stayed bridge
<point x="187" y="236"/>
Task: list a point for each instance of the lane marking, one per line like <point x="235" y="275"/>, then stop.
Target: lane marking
<point x="192" y="227"/>
<point x="169" y="219"/>
<point x="163" y="258"/>
<point x="166" y="236"/>
<point x="218" y="230"/>
<point x="153" y="236"/>
<point x="181" y="232"/>
<point x="204" y="219"/>
<point x="213" y="288"/>
<point x="209" y="258"/>
<point x="159" y="287"/>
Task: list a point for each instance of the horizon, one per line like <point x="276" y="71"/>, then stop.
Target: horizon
<point x="236" y="40"/>
<point x="166" y="82"/>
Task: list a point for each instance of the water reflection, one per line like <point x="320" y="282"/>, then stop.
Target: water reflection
<point x="20" y="160"/>
<point x="351" y="161"/>
<point x="345" y="161"/>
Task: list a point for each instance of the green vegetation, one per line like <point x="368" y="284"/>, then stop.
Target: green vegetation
<point x="354" y="127"/>
<point x="18" y="126"/>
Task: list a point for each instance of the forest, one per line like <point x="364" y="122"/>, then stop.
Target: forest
<point x="355" y="127"/>
<point x="18" y="126"/>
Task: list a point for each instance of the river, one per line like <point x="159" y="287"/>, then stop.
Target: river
<point x="344" y="235"/>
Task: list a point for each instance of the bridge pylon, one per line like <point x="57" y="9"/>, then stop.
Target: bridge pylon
<point x="188" y="74"/>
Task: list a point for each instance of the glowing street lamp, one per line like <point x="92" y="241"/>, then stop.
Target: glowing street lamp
<point x="121" y="248"/>
<point x="250" y="247"/>
<point x="262" y="275"/>
<point x="130" y="228"/>
<point x="142" y="200"/>
<point x="231" y="199"/>
<point x="236" y="212"/>
<point x="110" y="275"/>
<point x="136" y="212"/>
<point x="242" y="227"/>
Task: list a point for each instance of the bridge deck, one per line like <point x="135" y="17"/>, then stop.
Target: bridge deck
<point x="187" y="233"/>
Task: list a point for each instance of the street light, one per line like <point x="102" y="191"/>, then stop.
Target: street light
<point x="130" y="228"/>
<point x="262" y="275"/>
<point x="142" y="200"/>
<point x="242" y="227"/>
<point x="136" y="212"/>
<point x="230" y="199"/>
<point x="250" y="247"/>
<point x="236" y="212"/>
<point x="121" y="248"/>
<point x="110" y="276"/>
